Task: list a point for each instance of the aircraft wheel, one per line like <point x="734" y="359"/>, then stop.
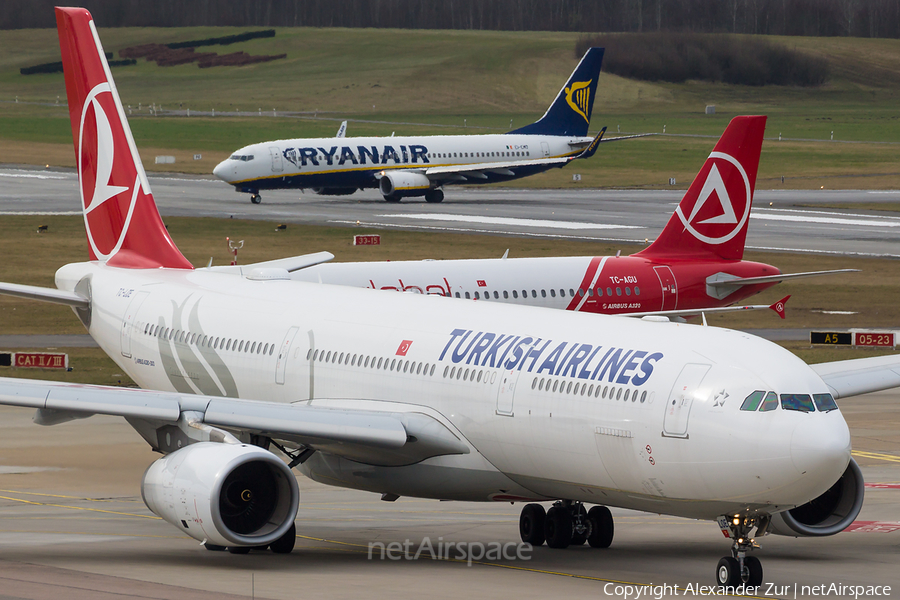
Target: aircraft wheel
<point x="214" y="548"/>
<point x="531" y="524"/>
<point x="728" y="572"/>
<point x="434" y="196"/>
<point x="756" y="571"/>
<point x="580" y="519"/>
<point x="392" y="198"/>
<point x="255" y="198"/>
<point x="285" y="543"/>
<point x="239" y="549"/>
<point x="602" y="528"/>
<point x="558" y="527"/>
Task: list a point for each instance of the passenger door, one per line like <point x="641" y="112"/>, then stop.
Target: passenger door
<point x="128" y="321"/>
<point x="678" y="406"/>
<point x="669" y="287"/>
<point x="277" y="164"/>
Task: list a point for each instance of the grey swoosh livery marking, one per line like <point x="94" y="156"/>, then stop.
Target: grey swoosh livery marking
<point x="212" y="357"/>
<point x="191" y="368"/>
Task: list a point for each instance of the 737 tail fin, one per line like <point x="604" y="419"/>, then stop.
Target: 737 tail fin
<point x="711" y="221"/>
<point x="570" y="113"/>
<point x="121" y="220"/>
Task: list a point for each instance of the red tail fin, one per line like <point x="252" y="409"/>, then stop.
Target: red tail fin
<point x="711" y="220"/>
<point x="120" y="217"/>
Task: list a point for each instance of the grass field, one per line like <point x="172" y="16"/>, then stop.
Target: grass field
<point x="871" y="294"/>
<point x="432" y="82"/>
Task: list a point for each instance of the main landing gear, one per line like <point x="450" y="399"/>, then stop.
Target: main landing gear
<point x="567" y="523"/>
<point x="255" y="198"/>
<point x="434" y="196"/>
<point x="739" y="568"/>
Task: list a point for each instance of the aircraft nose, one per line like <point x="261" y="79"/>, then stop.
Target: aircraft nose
<point x="221" y="170"/>
<point x="820" y="446"/>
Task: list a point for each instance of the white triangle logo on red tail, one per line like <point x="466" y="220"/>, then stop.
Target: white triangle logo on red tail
<point x="735" y="205"/>
<point x="715" y="184"/>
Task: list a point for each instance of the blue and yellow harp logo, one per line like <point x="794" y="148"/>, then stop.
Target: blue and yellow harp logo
<point x="578" y="97"/>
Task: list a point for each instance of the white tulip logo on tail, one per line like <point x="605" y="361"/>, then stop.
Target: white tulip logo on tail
<point x="722" y="206"/>
<point x="96" y="156"/>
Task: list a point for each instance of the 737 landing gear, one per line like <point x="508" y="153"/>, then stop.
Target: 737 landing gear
<point x="434" y="195"/>
<point x="255" y="198"/>
<point x="567" y="523"/>
<point x="739" y="568"/>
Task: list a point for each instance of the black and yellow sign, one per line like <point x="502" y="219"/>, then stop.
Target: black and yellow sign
<point x="831" y="338"/>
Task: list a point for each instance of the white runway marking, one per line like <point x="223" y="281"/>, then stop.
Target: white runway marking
<point x="510" y="221"/>
<point x="32" y="213"/>
<point x="807" y="216"/>
<point x="26" y="175"/>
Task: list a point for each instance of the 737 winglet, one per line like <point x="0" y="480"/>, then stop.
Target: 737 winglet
<point x="592" y="147"/>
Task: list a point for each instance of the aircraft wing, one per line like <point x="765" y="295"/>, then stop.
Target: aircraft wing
<point x="386" y="437"/>
<point x="294" y="263"/>
<point x="721" y="280"/>
<point x="460" y="173"/>
<point x="847" y="378"/>
<point x="626" y="137"/>
<point x="44" y="294"/>
<point x="778" y="307"/>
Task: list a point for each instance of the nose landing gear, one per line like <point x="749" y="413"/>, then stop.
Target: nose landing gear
<point x="255" y="198"/>
<point x="739" y="568"/>
<point x="567" y="523"/>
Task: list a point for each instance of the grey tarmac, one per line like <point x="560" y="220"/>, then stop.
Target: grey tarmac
<point x="793" y="222"/>
<point x="73" y="525"/>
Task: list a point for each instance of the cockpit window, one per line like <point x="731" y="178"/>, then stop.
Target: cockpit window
<point x="770" y="403"/>
<point x="824" y="402"/>
<point x="241" y="157"/>
<point x="799" y="402"/>
<point x="753" y="400"/>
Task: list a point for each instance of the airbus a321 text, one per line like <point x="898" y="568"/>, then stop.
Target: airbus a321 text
<point x="427" y="396"/>
<point x="694" y="266"/>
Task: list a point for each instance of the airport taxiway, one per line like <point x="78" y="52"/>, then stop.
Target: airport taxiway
<point x="797" y="220"/>
<point x="72" y="525"/>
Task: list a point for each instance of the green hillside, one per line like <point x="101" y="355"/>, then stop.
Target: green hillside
<point x="428" y="82"/>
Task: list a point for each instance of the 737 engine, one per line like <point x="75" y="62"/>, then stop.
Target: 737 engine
<point x="399" y="184"/>
<point x="223" y="494"/>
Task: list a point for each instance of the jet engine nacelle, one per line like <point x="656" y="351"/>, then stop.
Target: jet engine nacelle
<point x="830" y="513"/>
<point x="224" y="494"/>
<point x="403" y="184"/>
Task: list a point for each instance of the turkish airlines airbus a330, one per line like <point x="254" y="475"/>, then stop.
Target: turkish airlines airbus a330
<point x="427" y="396"/>
<point x="694" y="266"/>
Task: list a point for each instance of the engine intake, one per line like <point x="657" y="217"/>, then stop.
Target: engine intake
<point x="398" y="184"/>
<point x="224" y="494"/>
<point x="830" y="513"/>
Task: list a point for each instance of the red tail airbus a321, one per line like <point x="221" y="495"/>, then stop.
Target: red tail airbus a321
<point x="694" y="266"/>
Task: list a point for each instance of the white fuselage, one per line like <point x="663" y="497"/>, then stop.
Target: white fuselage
<point x="554" y="404"/>
<point x="354" y="162"/>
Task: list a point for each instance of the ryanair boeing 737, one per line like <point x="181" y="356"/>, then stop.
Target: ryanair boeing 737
<point x="421" y="165"/>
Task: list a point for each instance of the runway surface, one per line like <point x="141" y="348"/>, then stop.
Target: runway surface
<point x="795" y="221"/>
<point x="72" y="525"/>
